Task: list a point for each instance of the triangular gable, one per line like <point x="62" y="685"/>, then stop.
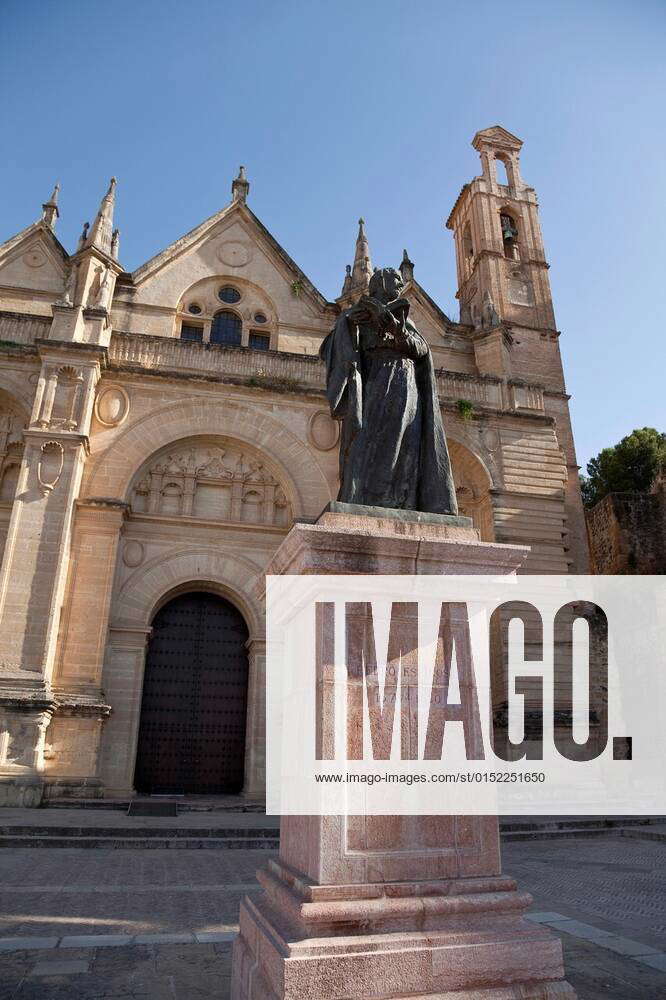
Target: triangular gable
<point x="51" y="240"/>
<point x="498" y="136"/>
<point x="207" y="229"/>
<point x="34" y="258"/>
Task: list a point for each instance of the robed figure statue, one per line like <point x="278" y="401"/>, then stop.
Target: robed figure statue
<point x="380" y="384"/>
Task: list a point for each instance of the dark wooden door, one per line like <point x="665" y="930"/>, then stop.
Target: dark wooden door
<point x="192" y="729"/>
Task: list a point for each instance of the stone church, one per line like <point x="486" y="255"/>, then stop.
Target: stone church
<point x="161" y="429"/>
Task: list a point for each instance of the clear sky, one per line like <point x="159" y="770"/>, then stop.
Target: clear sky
<point x="346" y="108"/>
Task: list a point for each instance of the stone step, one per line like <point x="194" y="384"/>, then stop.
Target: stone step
<point x="569" y="822"/>
<point x="560" y="834"/>
<point x="646" y="834"/>
<point x="144" y="833"/>
<point x="134" y="843"/>
<point x="122" y="805"/>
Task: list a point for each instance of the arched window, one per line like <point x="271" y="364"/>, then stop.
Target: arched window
<point x="501" y="172"/>
<point x="226" y="328"/>
<point x="467" y="249"/>
<point x="509" y="236"/>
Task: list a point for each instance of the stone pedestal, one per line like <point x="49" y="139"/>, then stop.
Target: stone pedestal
<point x="392" y="906"/>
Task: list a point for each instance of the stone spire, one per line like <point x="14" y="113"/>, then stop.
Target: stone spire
<point x="406" y="267"/>
<point x="102" y="228"/>
<point x="362" y="267"/>
<point x="240" y="187"/>
<point x="50" y="208"/>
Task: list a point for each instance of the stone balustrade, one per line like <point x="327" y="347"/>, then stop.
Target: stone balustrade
<point x="167" y="354"/>
<point x="18" y="328"/>
<point x="292" y="371"/>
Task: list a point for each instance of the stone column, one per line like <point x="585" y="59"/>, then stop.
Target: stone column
<point x="255" y="733"/>
<point x="392" y="906"/>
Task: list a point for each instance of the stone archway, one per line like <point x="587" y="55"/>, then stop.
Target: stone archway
<point x="113" y="468"/>
<point x="473" y="484"/>
<point x="149" y="588"/>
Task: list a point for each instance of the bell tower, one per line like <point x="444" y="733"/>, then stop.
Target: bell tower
<point x="505" y="298"/>
<point x="499" y="247"/>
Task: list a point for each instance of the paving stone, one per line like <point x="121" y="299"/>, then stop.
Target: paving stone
<point x="579" y="929"/>
<point x="96" y="940"/>
<point x="25" y="943"/>
<point x="178" y="910"/>
<point x="164" y="939"/>
<point x="60" y="967"/>
<point x="625" y="946"/>
<point x="215" y="936"/>
<point x="655" y="962"/>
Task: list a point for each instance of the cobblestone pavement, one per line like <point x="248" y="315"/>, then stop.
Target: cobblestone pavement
<point x="611" y="892"/>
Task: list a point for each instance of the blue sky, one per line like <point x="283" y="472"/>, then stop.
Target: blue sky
<point x="340" y="109"/>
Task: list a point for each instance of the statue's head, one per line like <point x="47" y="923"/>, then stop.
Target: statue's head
<point x="386" y="284"/>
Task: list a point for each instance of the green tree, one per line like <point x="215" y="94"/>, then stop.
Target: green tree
<point x="630" y="466"/>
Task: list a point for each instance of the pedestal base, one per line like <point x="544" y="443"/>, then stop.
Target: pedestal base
<point x="444" y="939"/>
<point x="391" y="907"/>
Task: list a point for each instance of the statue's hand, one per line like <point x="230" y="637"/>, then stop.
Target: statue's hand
<point x="358" y="314"/>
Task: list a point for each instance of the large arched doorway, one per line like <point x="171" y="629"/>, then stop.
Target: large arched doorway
<point x="192" y="728"/>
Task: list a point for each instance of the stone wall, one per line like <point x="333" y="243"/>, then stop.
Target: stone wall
<point x="627" y="533"/>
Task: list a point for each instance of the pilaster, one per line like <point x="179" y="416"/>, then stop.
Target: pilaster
<point x="124" y="665"/>
<point x="255" y="732"/>
<point x="36" y="556"/>
<point x="85" y="620"/>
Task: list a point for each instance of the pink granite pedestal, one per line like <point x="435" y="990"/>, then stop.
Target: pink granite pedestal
<point x="392" y="906"/>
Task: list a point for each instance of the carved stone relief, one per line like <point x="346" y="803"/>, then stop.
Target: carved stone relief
<point x="22" y="739"/>
<point x="49" y="469"/>
<point x="111" y="405"/>
<point x="212" y="483"/>
<point x="61" y="398"/>
<point x="35" y="257"/>
<point x="11" y="451"/>
<point x="235" y="254"/>
<point x="133" y="554"/>
<point x="323" y="431"/>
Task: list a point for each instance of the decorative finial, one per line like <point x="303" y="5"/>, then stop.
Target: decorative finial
<point x="102" y="227"/>
<point x="240" y="187"/>
<point x="50" y="208"/>
<point x="362" y="268"/>
<point x="406" y="267"/>
<point x="347" y="283"/>
<point x="83" y="237"/>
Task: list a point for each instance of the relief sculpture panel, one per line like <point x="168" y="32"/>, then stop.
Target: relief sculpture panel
<point x="213" y="483"/>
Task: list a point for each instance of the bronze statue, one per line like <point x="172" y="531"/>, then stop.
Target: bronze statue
<point x="380" y="383"/>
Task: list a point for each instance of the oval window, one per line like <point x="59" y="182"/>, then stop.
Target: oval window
<point x="260" y="318"/>
<point x="194" y="308"/>
<point x="229" y="294"/>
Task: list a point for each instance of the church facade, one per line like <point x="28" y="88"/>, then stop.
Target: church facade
<point x="160" y="431"/>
